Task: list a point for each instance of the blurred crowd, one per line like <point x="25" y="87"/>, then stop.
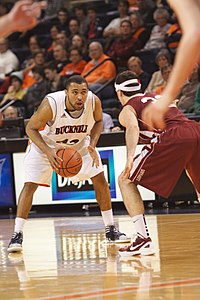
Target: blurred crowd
<point x="96" y="40"/>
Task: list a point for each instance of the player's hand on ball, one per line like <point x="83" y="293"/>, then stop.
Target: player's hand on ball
<point x="53" y="158"/>
<point x="94" y="156"/>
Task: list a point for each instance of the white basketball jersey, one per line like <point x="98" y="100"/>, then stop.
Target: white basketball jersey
<point x="65" y="128"/>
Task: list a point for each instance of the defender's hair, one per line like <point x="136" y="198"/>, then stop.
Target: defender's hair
<point x="125" y="76"/>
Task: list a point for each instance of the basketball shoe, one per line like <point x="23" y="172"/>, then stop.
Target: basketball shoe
<point x="113" y="235"/>
<point x="15" y="244"/>
<point x="141" y="246"/>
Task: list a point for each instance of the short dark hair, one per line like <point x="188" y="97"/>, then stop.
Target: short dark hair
<point x="126" y="21"/>
<point x="63" y="10"/>
<point x="163" y="52"/>
<point x="77" y="49"/>
<point x="80" y="7"/>
<point x="125" y="2"/>
<point x="76" y="79"/>
<point x="91" y="7"/>
<point x="38" y="69"/>
<point x="51" y="65"/>
<point x="124" y="76"/>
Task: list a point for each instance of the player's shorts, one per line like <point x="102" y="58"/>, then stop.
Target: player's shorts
<point x="38" y="169"/>
<point x="160" y="164"/>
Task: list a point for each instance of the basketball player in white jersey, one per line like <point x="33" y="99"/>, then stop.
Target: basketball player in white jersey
<point x="70" y="118"/>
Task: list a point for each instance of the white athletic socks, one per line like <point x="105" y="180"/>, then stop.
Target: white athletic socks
<point x="107" y="216"/>
<point x="19" y="224"/>
<point x="141" y="226"/>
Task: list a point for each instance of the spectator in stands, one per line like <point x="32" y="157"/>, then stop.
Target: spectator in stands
<point x="54" y="30"/>
<point x="63" y="20"/>
<point x="102" y="73"/>
<point x="33" y="44"/>
<point x="60" y="56"/>
<point x="74" y="28"/>
<point x="33" y="47"/>
<point x="3" y="9"/>
<point x="94" y="28"/>
<point x="140" y="33"/>
<point x="135" y="65"/>
<point x="80" y="42"/>
<point x="156" y="40"/>
<point x="162" y="59"/>
<point x="76" y="65"/>
<point x="11" y="112"/>
<point x="37" y="60"/>
<point x="107" y="122"/>
<point x="36" y="92"/>
<point x="28" y="74"/>
<point x="123" y="47"/>
<point x="187" y="94"/>
<point x="146" y="9"/>
<point x="80" y="13"/>
<point x="173" y="36"/>
<point x="132" y="5"/>
<point x="15" y="90"/>
<point x="165" y="71"/>
<point x="55" y="80"/>
<point x="8" y="60"/>
<point x="197" y="100"/>
<point x="113" y="28"/>
<point x="62" y="39"/>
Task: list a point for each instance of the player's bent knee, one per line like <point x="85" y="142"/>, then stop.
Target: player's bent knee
<point x="99" y="179"/>
<point x="123" y="181"/>
<point x="30" y="187"/>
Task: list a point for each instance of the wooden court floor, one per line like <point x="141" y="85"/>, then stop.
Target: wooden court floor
<point x="67" y="258"/>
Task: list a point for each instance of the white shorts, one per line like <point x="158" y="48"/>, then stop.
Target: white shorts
<point x="39" y="170"/>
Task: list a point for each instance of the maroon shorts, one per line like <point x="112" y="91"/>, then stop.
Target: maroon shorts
<point x="160" y="164"/>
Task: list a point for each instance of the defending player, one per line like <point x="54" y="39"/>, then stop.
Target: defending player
<point x="188" y="13"/>
<point x="159" y="165"/>
<point x="65" y="109"/>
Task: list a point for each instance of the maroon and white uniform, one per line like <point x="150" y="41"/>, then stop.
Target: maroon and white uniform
<point x="167" y="153"/>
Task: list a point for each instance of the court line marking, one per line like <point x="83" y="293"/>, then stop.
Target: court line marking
<point x="120" y="290"/>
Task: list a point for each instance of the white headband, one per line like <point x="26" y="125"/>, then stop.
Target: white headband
<point x="123" y="86"/>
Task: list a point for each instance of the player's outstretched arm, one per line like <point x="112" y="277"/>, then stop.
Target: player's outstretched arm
<point x="23" y="16"/>
<point x="188" y="13"/>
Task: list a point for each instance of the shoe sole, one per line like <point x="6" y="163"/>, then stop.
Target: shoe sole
<point x="118" y="241"/>
<point x="143" y="253"/>
<point x="14" y="249"/>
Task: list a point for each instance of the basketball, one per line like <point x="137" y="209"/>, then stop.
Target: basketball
<point x="71" y="164"/>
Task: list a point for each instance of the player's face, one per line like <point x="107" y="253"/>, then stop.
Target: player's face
<point x="76" y="96"/>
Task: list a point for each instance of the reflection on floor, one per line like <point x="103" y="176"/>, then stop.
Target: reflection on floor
<point x="68" y="258"/>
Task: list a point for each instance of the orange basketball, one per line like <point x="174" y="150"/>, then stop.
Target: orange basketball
<point x="71" y="164"/>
